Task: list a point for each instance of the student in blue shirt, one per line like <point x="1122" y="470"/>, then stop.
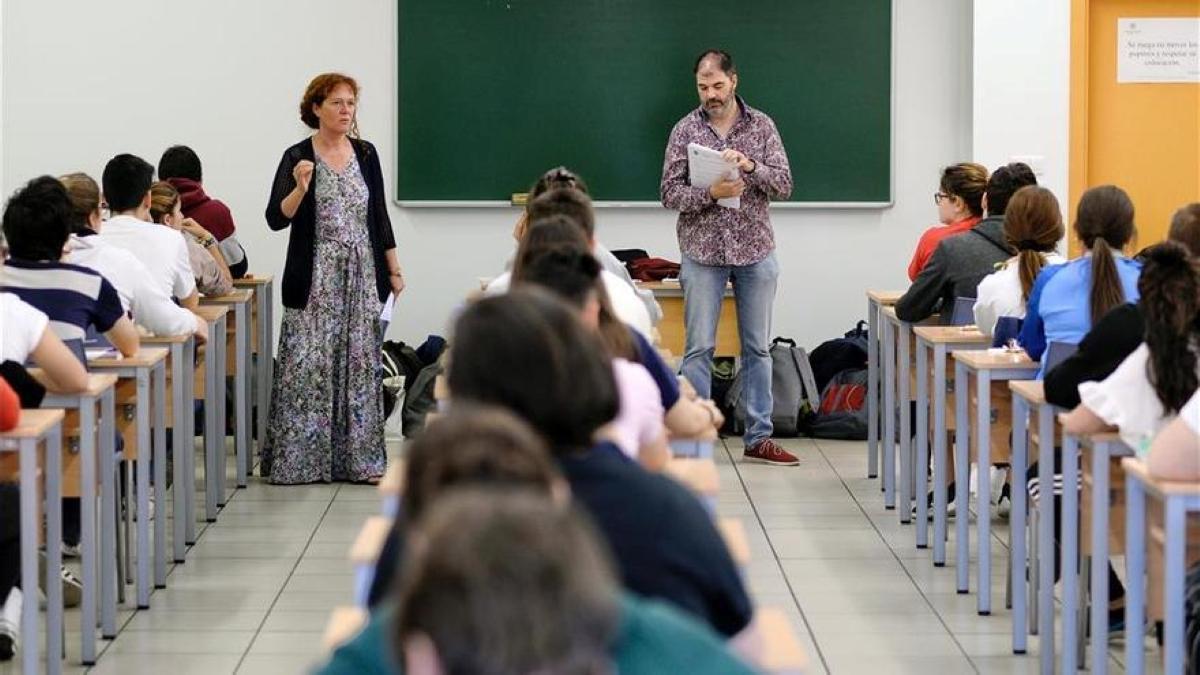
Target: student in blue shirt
<point x="1067" y="300"/>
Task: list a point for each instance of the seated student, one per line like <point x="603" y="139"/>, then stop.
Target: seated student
<point x="573" y="274"/>
<point x="1068" y="300"/>
<point x="470" y="445"/>
<point x="566" y="391"/>
<point x="37" y="222"/>
<point x="1032" y="227"/>
<point x="960" y="207"/>
<point x="576" y="205"/>
<point x="1175" y="452"/>
<point x="1153" y="383"/>
<point x="75" y="299"/>
<point x="147" y="304"/>
<point x="126" y="183"/>
<point x="208" y="265"/>
<point x="1115" y="336"/>
<point x="180" y="166"/>
<point x="963" y="257"/>
<point x="510" y="581"/>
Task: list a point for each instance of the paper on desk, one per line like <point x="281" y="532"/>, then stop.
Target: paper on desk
<point x="706" y="166"/>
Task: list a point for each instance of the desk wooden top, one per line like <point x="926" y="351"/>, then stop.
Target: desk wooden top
<point x="1033" y="391"/>
<point x="986" y="359"/>
<point x="98" y="383"/>
<point x="236" y="297"/>
<point x="164" y="339"/>
<point x="146" y="357"/>
<point x="251" y="281"/>
<point x="697" y="474"/>
<point x="1137" y="468"/>
<point x="734" y="533"/>
<point x="885" y="298"/>
<point x="34" y="424"/>
<point x="392" y="484"/>
<point x="672" y="287"/>
<point x="782" y="652"/>
<point x="369" y="541"/>
<point x="344" y="623"/>
<point x="952" y="335"/>
<point x="212" y="313"/>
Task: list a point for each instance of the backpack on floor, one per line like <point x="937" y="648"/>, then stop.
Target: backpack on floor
<point x="834" y="356"/>
<point x="843" y="410"/>
<point x="400" y="366"/>
<point x="420" y="401"/>
<point x="793" y="389"/>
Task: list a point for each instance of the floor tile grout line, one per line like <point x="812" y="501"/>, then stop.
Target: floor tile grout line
<point x="775" y="554"/>
<point x="892" y="551"/>
<point x="291" y="574"/>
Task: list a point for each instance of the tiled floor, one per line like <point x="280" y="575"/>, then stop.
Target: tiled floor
<point x="255" y="592"/>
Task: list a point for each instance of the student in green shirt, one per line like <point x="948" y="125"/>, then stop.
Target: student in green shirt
<point x="507" y="581"/>
<point x="539" y="581"/>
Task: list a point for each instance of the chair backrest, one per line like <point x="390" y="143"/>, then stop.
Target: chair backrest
<point x="1007" y="328"/>
<point x="1057" y="352"/>
<point x="964" y="312"/>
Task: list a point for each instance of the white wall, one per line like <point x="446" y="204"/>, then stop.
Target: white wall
<point x="1022" y="88"/>
<point x="225" y="77"/>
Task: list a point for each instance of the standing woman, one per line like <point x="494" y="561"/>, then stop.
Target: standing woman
<point x="327" y="412"/>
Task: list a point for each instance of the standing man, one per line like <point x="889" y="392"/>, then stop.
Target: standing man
<point x="722" y="244"/>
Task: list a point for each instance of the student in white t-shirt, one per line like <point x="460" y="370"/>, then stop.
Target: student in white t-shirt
<point x="627" y="302"/>
<point x="1152" y="384"/>
<point x="127" y="181"/>
<point x="1033" y="227"/>
<point x="147" y="303"/>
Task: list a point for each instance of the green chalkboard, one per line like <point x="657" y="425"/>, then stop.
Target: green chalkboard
<point x="493" y="92"/>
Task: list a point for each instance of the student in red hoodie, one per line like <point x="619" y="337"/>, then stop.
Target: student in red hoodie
<point x="180" y="166"/>
<point x="959" y="202"/>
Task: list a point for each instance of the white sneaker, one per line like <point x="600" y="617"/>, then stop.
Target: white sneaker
<point x="10" y="624"/>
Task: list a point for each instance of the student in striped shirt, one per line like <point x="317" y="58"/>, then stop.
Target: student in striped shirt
<point x="37" y="223"/>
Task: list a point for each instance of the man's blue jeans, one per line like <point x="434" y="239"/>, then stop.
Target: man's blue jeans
<point x="754" y="294"/>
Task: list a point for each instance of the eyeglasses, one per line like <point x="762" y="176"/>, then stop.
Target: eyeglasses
<point x="939" y="196"/>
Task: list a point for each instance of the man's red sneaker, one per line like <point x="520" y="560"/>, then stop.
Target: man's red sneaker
<point x="768" y="451"/>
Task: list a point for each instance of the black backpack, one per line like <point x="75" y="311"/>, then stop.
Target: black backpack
<point x="844" y="353"/>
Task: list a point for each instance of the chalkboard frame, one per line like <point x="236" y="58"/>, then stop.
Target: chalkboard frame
<point x="644" y="204"/>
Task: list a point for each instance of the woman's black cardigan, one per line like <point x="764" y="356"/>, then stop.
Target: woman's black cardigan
<point x="297" y="270"/>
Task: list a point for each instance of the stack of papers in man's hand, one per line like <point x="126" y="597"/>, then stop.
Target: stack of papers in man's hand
<point x="706" y="166"/>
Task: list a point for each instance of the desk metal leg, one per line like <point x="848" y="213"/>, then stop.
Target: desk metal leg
<point x="921" y="469"/>
<point x="962" y="479"/>
<point x="872" y="391"/>
<point x="889" y="416"/>
<point x="241" y="394"/>
<point x="903" y="338"/>
<point x="160" y="474"/>
<point x="1099" y="590"/>
<point x="142" y="467"/>
<point x="222" y="458"/>
<point x="54" y="594"/>
<point x="30" y="527"/>
<point x="108" y="517"/>
<point x="269" y="349"/>
<point x="214" y="436"/>
<point x="1070" y="553"/>
<point x="1046" y="553"/>
<point x="983" y="490"/>
<point x="88" y="453"/>
<point x="1135" y="576"/>
<point x="1173" y="558"/>
<point x="939" y="456"/>
<point x="179" y="463"/>
<point x="189" y="450"/>
<point x="1016" y="538"/>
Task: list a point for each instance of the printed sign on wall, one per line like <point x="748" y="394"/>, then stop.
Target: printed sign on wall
<point x="1158" y="50"/>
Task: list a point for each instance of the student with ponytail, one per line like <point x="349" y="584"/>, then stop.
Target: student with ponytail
<point x="1032" y="227"/>
<point x="1154" y="383"/>
<point x="1103" y="275"/>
